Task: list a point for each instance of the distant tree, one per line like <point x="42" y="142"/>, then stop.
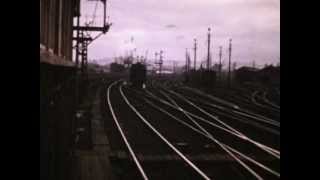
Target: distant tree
<point x="270" y="75"/>
<point x="234" y="66"/>
<point x="127" y="61"/>
<point x="215" y="67"/>
<point x="115" y="67"/>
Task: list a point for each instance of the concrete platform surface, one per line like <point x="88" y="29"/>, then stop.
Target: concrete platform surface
<point x="94" y="164"/>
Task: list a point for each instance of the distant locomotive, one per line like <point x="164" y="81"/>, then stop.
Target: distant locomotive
<point x="138" y="75"/>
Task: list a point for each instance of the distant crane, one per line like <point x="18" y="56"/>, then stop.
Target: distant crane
<point x="220" y="63"/>
<point x="175" y="64"/>
<point x="160" y="62"/>
<point x="229" y="68"/>
<point x="195" y="54"/>
<point x="187" y="61"/>
<point x="253" y="64"/>
<point x="155" y="58"/>
<point x="82" y="41"/>
<point x="234" y="66"/>
<point x="208" y="56"/>
<point x="146" y="56"/>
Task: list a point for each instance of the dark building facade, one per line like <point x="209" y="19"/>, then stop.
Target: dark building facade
<point x="56" y="21"/>
<point x="57" y="87"/>
<point x="246" y="74"/>
<point x="269" y="75"/>
<point x="201" y="78"/>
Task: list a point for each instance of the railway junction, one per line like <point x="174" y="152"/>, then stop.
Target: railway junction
<point x="173" y="133"/>
<point x="135" y="125"/>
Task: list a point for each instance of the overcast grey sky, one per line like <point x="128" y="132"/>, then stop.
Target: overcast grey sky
<point x="171" y="25"/>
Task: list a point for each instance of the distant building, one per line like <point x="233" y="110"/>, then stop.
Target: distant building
<point x="246" y="74"/>
<point x="117" y="68"/>
<point x="56" y="22"/>
<point x="215" y="67"/>
<point x="269" y="75"/>
<point x="57" y="94"/>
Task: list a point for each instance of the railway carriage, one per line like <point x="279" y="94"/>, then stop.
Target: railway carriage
<point x="138" y="75"/>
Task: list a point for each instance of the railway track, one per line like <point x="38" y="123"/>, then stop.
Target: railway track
<point x="163" y="129"/>
<point x="225" y="105"/>
<point x="262" y="101"/>
<point x="263" y="136"/>
<point x="143" y="141"/>
<point x="269" y="102"/>
<point x="250" y="100"/>
<point x="215" y="118"/>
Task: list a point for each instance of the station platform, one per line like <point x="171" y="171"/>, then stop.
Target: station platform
<point x="93" y="163"/>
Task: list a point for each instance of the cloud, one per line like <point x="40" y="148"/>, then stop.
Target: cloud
<point x="180" y="37"/>
<point x="254" y="26"/>
<point x="171" y="26"/>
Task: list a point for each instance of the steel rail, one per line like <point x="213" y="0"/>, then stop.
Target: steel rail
<point x="264" y="97"/>
<point x="275" y="123"/>
<point x="224" y="148"/>
<point x="215" y="98"/>
<point x="143" y="174"/>
<point x="214" y="117"/>
<point x="225" y="112"/>
<point x="182" y="110"/>
<point x="253" y="99"/>
<point x="193" y="166"/>
<point x="249" y="114"/>
<point x="205" y="112"/>
<point x="198" y="131"/>
<point x="212" y="97"/>
<point x="269" y="150"/>
<point x="208" y="114"/>
<point x="210" y="137"/>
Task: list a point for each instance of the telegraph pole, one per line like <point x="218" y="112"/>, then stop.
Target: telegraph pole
<point x="187" y="61"/>
<point x="195" y="54"/>
<point x="82" y="43"/>
<point x="81" y="53"/>
<point x="155" y="57"/>
<point x="208" y="56"/>
<point x="77" y="42"/>
<point x="174" y="66"/>
<point x="229" y="69"/>
<point x="220" y="63"/>
<point x="234" y="66"/>
<point x="155" y="60"/>
<point x="76" y="89"/>
<point x="161" y="61"/>
<point x="146" y="57"/>
<point x="187" y="66"/>
<point x="254" y="64"/>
